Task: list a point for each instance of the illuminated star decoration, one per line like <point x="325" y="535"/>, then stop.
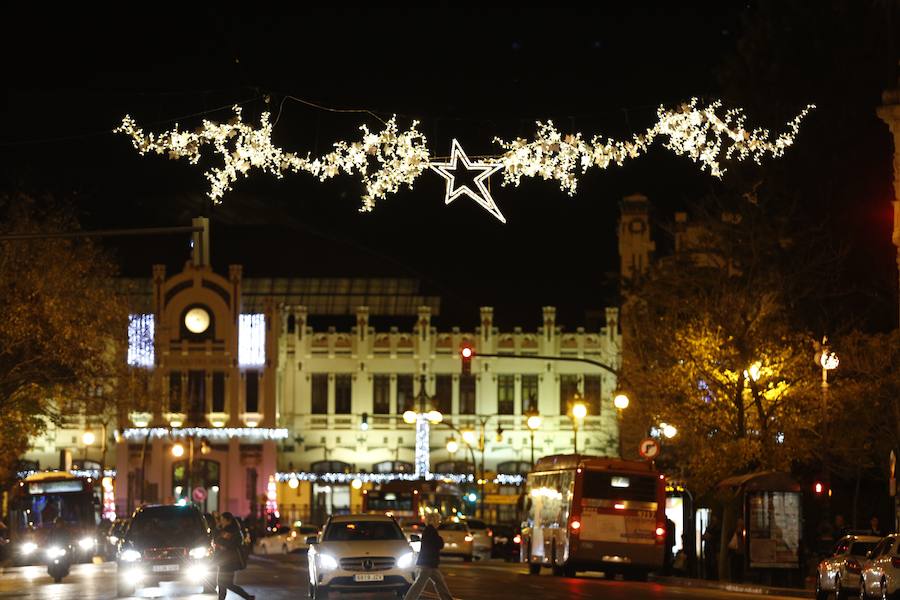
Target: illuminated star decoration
<point x="482" y="196"/>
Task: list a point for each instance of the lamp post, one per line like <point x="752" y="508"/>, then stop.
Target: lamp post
<point x="579" y="412"/>
<point x="621" y="402"/>
<point x="534" y="423"/>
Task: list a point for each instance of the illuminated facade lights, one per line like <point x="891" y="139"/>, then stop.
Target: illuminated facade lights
<point x="140" y="340"/>
<point x="252" y="340"/>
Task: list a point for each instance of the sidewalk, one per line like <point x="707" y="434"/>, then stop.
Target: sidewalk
<point x="743" y="588"/>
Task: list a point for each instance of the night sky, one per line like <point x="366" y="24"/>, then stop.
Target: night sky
<point x="463" y="71"/>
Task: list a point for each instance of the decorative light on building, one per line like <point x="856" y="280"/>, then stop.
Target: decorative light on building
<point x="217" y="433"/>
<point x="109" y="499"/>
<point x="272" y="497"/>
<point x="423" y="447"/>
<point x="140" y="340"/>
<point x="389" y="159"/>
<point x="293" y="483"/>
<point x="377" y="478"/>
<point x="252" y="340"/>
<point x="356" y="484"/>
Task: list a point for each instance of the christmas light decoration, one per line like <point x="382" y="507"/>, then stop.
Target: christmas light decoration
<point x="109" y="499"/>
<point x="389" y="159"/>
<point x="252" y="340"/>
<point x="216" y="433"/>
<point x="482" y="196"/>
<point x="423" y="447"/>
<point x="140" y="340"/>
<point x="272" y="497"/>
<point x="377" y="478"/>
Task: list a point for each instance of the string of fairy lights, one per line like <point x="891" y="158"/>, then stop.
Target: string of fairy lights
<point x="392" y="158"/>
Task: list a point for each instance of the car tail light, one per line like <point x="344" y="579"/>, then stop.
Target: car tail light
<point x="854" y="567"/>
<point x="895" y="562"/>
<point x="490" y="532"/>
<point x="517" y="539"/>
<point x="468" y="538"/>
<point x="575" y="525"/>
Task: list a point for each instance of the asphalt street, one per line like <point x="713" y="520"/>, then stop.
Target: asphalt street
<point x="284" y="578"/>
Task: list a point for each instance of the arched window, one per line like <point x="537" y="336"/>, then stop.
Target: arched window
<point x="514" y="467"/>
<point x="393" y="466"/>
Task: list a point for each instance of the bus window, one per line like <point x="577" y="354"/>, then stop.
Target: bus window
<point x="604" y="485"/>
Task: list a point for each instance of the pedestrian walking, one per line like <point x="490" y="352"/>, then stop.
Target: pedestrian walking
<point x="429" y="558"/>
<point x="229" y="557"/>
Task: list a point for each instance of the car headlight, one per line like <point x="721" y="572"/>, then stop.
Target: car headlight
<point x="55" y="552"/>
<point x="405" y="561"/>
<point x="28" y="547"/>
<point x="86" y="543"/>
<point x="130" y="555"/>
<point x="199" y="552"/>
<point x="327" y="562"/>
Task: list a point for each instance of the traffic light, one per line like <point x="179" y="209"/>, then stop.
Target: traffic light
<point x="466" y="353"/>
<point x="819" y="488"/>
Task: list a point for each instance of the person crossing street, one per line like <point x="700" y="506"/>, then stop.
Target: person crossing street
<point x="428" y="561"/>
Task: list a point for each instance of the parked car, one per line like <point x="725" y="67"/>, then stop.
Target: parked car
<point x="506" y="542"/>
<point x="483" y="543"/>
<point x="360" y="553"/>
<point x="286" y="540"/>
<point x="458" y="540"/>
<point x="839" y="573"/>
<point x="880" y="575"/>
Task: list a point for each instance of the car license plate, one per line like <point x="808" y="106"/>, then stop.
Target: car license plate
<point x="368" y="577"/>
<point x="164" y="568"/>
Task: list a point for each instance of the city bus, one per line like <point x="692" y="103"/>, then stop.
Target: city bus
<point x="410" y="501"/>
<point x="586" y="513"/>
<point x="43" y="501"/>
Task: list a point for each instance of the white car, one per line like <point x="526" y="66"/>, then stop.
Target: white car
<point x="360" y="553"/>
<point x="881" y="574"/>
<point x="484" y="542"/>
<point x="458" y="540"/>
<point x="839" y="573"/>
<point x="287" y="540"/>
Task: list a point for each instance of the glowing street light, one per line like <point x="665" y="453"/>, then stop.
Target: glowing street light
<point x="469" y="437"/>
<point x="88" y="438"/>
<point x="579" y="412"/>
<point x="409" y="417"/>
<point x="178" y="450"/>
<point x="669" y="431"/>
<point x="534" y="423"/>
<point x="452" y="446"/>
<point x="621" y="401"/>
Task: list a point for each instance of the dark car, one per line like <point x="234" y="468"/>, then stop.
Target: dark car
<point x="109" y="542"/>
<point x="506" y="542"/>
<point x="165" y="543"/>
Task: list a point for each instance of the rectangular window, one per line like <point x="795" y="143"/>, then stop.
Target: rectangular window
<point x="443" y="394"/>
<point x="404" y="393"/>
<point x="175" y="392"/>
<point x="381" y="394"/>
<point x="592" y="394"/>
<point x="342" y="396"/>
<point x="218" y="399"/>
<point x="506" y="394"/>
<point x="196" y="396"/>
<point x="467" y="394"/>
<point x="568" y="387"/>
<point x="529" y="393"/>
<point x="252" y="391"/>
<point x="319" y="404"/>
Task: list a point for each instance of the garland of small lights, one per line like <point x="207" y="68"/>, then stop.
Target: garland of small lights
<point x="391" y="158"/>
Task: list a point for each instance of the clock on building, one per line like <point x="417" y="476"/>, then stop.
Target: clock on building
<point x="196" y="320"/>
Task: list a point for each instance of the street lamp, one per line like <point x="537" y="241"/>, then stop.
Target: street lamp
<point x="452" y="446"/>
<point x="621" y="401"/>
<point x="669" y="431"/>
<point x="534" y="423"/>
<point x="579" y="412"/>
<point x="828" y="360"/>
<point x="178" y="450"/>
<point x="88" y="438"/>
<point x="423" y="417"/>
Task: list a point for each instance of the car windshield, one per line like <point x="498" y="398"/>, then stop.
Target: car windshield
<point x="501" y="530"/>
<point x="475" y="524"/>
<point x="453" y="527"/>
<point x="860" y="548"/>
<point x="308" y="529"/>
<point x="166" y="526"/>
<point x="362" y="531"/>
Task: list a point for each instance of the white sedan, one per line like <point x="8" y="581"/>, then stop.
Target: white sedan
<point x="458" y="540"/>
<point x="881" y="574"/>
<point x="839" y="573"/>
<point x="286" y="540"/>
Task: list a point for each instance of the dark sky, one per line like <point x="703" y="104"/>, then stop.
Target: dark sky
<point x="464" y="70"/>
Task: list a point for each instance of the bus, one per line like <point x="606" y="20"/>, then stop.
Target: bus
<point x="38" y="501"/>
<point x="586" y="513"/>
<point x="410" y="501"/>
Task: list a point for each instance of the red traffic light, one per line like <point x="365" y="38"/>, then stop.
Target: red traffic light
<point x="818" y="487"/>
<point x="466" y="353"/>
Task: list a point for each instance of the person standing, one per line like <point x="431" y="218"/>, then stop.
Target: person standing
<point x="875" y="527"/>
<point x="429" y="558"/>
<point x="712" y="541"/>
<point x="736" y="546"/>
<point x="228" y="555"/>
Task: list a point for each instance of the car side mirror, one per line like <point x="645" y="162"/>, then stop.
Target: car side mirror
<point x="415" y="538"/>
<point x="312" y="539"/>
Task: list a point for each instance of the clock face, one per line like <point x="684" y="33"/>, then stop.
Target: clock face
<point x="196" y="320"/>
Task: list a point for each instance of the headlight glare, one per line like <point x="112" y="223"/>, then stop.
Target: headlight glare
<point x="405" y="561"/>
<point x="130" y="555"/>
<point x="86" y="543"/>
<point x="55" y="552"/>
<point x="199" y="552"/>
<point x="327" y="562"/>
<point x="28" y="547"/>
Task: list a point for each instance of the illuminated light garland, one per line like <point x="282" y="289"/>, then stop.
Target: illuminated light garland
<point x="272" y="497"/>
<point x="252" y="340"/>
<point x="215" y="433"/>
<point x="389" y="159"/>
<point x="423" y="447"/>
<point x="482" y="196"/>
<point x="377" y="478"/>
<point x="140" y="340"/>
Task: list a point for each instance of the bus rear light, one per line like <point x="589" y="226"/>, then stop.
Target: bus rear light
<point x="468" y="538"/>
<point x="575" y="525"/>
<point x="660" y="533"/>
<point x="619" y="506"/>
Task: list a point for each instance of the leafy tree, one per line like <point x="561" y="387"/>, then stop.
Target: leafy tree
<point x="62" y="322"/>
<point x="710" y="346"/>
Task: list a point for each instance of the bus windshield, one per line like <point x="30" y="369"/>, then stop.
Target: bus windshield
<point x="37" y="511"/>
<point x="388" y="501"/>
<point x="619" y="486"/>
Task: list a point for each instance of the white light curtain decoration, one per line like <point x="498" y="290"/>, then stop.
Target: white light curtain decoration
<point x="423" y="447"/>
<point x="213" y="433"/>
<point x="140" y="340"/>
<point x="252" y="340"/>
<point x="376" y="478"/>
<point x="391" y="158"/>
